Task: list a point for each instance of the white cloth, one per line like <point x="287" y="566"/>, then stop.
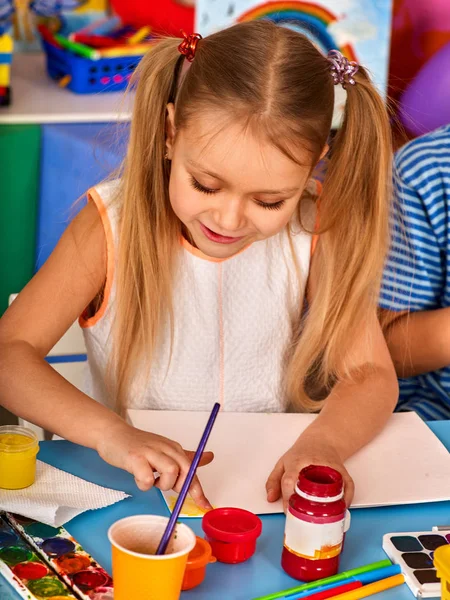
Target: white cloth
<point x="233" y="323"/>
<point x="57" y="497"/>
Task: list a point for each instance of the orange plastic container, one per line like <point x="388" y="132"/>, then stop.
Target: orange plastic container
<point x="442" y="564"/>
<point x="197" y="560"/>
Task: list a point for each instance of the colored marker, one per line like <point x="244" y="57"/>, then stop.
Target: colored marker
<point x="371" y="589"/>
<point x="76" y="48"/>
<point x="339" y="578"/>
<point x="48" y="36"/>
<point x="119" y="51"/>
<point x="340" y="589"/>
<point x="362" y="579"/>
<point x="140" y="35"/>
<point x="96" y="41"/>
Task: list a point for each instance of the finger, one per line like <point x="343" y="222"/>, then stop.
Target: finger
<point x="273" y="483"/>
<point x="349" y="489"/>
<point x="167" y="468"/>
<point x="206" y="458"/>
<point x="198" y="495"/>
<point x="142" y="470"/>
<point x="288" y="482"/>
<point x="195" y="490"/>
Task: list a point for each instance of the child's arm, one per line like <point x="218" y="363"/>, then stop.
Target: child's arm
<point x="354" y="413"/>
<point x="32" y="389"/>
<point x="417" y="329"/>
<point x="419" y="342"/>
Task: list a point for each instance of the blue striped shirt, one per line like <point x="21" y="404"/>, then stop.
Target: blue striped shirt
<point x="417" y="272"/>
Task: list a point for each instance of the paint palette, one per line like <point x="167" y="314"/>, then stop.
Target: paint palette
<point x="66" y="557"/>
<point x="26" y="571"/>
<point x="414" y="552"/>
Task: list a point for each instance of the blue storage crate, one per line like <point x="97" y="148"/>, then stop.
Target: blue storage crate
<point x="89" y="76"/>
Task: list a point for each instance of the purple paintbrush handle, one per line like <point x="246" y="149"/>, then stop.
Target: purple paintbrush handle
<point x="187" y="482"/>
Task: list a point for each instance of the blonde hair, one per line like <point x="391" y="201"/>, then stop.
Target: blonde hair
<point x="276" y="81"/>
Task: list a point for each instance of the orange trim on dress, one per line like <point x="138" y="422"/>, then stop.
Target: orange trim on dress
<point x="110" y="260"/>
<point x="199" y="254"/>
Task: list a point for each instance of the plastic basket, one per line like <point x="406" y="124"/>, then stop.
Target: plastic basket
<point x="85" y="76"/>
<point x="442" y="564"/>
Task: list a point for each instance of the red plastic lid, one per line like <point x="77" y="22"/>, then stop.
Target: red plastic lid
<point x="323" y="482"/>
<point x="231" y="525"/>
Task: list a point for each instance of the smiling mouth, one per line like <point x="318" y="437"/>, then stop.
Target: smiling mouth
<point x="216" y="237"/>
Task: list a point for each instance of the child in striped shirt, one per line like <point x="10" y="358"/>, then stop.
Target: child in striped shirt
<point x="415" y="293"/>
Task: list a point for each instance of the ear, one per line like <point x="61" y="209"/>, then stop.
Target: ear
<point x="170" y="129"/>
<point x="324" y="151"/>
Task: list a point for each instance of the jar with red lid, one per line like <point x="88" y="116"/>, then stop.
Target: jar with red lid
<point x="316" y="522"/>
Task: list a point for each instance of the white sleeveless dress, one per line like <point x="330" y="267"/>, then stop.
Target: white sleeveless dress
<point x="233" y="324"/>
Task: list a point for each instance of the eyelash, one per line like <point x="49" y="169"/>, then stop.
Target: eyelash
<point x="204" y="190"/>
<point x="200" y="188"/>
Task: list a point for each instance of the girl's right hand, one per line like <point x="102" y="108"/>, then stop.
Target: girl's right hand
<point x="142" y="454"/>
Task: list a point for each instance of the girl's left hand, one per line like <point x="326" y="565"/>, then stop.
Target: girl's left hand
<point x="305" y="452"/>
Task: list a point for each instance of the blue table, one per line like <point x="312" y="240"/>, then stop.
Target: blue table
<point x="260" y="575"/>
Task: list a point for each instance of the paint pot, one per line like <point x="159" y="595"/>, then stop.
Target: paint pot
<point x="197" y="560"/>
<point x="57" y="546"/>
<point x="18" y="449"/>
<point x="232" y="533"/>
<point x="138" y="572"/>
<point x="30" y="570"/>
<point x="316" y="521"/>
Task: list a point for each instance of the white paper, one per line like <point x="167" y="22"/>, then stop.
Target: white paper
<point x="56" y="497"/>
<point x="404" y="464"/>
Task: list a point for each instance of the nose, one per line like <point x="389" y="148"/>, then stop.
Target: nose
<point x="230" y="215"/>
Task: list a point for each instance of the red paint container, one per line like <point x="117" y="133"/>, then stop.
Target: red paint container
<point x="197" y="561"/>
<point x="316" y="522"/>
<point x="232" y="533"/>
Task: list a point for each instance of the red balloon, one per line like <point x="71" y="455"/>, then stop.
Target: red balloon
<point x="166" y="17"/>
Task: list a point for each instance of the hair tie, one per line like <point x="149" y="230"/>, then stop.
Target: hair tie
<point x="342" y="69"/>
<point x="188" y="46"/>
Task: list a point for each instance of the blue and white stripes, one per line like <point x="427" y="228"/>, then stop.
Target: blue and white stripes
<point x="417" y="272"/>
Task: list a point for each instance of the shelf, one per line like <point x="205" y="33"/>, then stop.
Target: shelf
<point x="38" y="99"/>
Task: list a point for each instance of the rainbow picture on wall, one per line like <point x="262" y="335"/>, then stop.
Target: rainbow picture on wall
<point x="360" y="29"/>
<point x="309" y="18"/>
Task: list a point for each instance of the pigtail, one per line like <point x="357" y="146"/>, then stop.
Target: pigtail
<point x="354" y="237"/>
<point x="148" y="228"/>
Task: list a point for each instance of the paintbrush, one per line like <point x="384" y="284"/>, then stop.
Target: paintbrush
<point x="187" y="482"/>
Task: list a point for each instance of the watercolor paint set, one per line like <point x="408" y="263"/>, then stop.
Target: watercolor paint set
<point x="25" y="571"/>
<point x="414" y="552"/>
<point x="47" y="559"/>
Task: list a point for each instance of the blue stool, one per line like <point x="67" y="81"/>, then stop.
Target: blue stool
<point x="73" y="158"/>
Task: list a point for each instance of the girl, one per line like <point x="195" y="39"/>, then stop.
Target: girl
<point x="197" y="264"/>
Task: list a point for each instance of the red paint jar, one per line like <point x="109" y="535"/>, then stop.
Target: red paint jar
<point x="232" y="533"/>
<point x="316" y="522"/>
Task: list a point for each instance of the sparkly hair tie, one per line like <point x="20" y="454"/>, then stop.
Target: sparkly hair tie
<point x="342" y="69"/>
<point x="188" y="46"/>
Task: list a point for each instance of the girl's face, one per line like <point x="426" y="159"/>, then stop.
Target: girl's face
<point x="228" y="187"/>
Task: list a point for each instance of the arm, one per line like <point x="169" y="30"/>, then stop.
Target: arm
<point x="417" y="330"/>
<point x="354" y="413"/>
<point x="29" y="387"/>
<point x="419" y="342"/>
<point x="39" y="316"/>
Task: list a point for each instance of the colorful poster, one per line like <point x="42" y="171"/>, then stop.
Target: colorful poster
<point x="360" y="29"/>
